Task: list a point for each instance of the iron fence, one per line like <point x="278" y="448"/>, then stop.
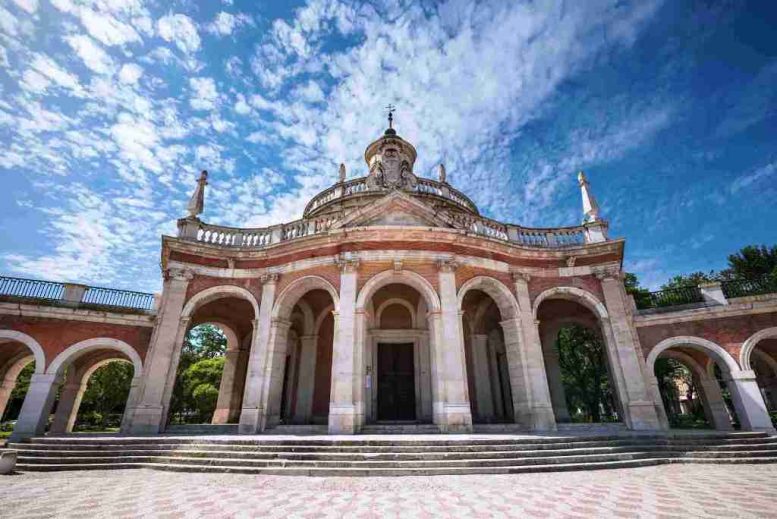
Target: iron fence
<point x="31" y="288"/>
<point x="749" y="287"/>
<point x="669" y="297"/>
<point x="120" y="298"/>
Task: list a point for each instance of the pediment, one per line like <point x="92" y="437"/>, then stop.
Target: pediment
<point x="396" y="208"/>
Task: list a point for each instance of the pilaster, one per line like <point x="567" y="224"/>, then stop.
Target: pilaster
<point x="36" y="408"/>
<point x="306" y="379"/>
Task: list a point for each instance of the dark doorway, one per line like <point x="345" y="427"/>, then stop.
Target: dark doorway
<point x="396" y="382"/>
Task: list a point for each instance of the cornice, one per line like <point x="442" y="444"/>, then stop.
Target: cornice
<point x="76" y="314"/>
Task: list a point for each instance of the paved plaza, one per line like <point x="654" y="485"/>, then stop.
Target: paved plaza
<point x="664" y="491"/>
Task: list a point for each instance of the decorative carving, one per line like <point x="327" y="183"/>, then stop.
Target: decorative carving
<point x="392" y="168"/>
<point x="179" y="274"/>
<point x="269" y="277"/>
<point x="607" y="272"/>
<point x="347" y="263"/>
<point x="521" y="276"/>
<point x="397" y="265"/>
<point x="447" y="265"/>
<point x="571" y="261"/>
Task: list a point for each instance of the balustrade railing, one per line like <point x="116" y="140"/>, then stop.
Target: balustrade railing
<point x="31" y="288"/>
<point x="118" y="298"/>
<point x="749" y="287"/>
<point x="72" y="294"/>
<point x="669" y="297"/>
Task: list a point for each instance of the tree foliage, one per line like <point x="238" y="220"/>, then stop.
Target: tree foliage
<point x="673" y="376"/>
<point x="584" y="373"/>
<point x="201" y="365"/>
<point x="105" y="398"/>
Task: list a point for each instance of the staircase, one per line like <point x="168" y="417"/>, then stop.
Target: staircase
<point x="391" y="456"/>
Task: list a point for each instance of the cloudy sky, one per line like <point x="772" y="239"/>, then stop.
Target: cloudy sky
<point x="109" y="108"/>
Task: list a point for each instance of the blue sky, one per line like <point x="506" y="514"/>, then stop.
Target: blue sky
<point x="109" y="108"/>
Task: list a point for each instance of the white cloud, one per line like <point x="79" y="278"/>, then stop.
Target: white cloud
<point x="91" y="54"/>
<point x="225" y="23"/>
<point x="107" y="29"/>
<point x="44" y="72"/>
<point x="205" y="96"/>
<point x="747" y="180"/>
<point x="180" y="30"/>
<point x="130" y="73"/>
<point x="310" y="92"/>
<point x="28" y="5"/>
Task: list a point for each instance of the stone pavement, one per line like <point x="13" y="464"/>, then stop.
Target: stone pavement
<point x="665" y="491"/>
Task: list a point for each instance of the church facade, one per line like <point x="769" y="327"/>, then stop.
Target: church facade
<point x="393" y="301"/>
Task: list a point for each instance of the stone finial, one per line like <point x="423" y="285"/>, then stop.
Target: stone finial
<point x="443" y="174"/>
<point x="342" y="172"/>
<point x="590" y="207"/>
<point x="197" y="201"/>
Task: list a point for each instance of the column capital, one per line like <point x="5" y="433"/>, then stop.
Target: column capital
<point x="518" y="276"/>
<point x="447" y="265"/>
<point x="347" y="263"/>
<point x="269" y="277"/>
<point x="184" y="320"/>
<point x="277" y="322"/>
<point x="607" y="273"/>
<point x="178" y="274"/>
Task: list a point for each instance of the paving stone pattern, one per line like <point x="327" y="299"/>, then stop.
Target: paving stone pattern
<point x="665" y="491"/>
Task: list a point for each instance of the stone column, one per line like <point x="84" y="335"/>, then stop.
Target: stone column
<point x="6" y="387"/>
<point x="626" y="361"/>
<point x="225" y="410"/>
<point x="275" y="370"/>
<point x="483" y="394"/>
<point x="36" y="408"/>
<point x="553" y="369"/>
<point x="67" y="408"/>
<point x="494" y="349"/>
<point x="344" y="408"/>
<point x="254" y="413"/>
<point x="748" y="401"/>
<point x="531" y="394"/>
<point x="454" y="413"/>
<point x="714" y="404"/>
<point x="306" y="378"/>
<point x="149" y="416"/>
<point x="132" y="403"/>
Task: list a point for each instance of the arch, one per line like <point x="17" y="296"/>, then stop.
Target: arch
<point x="290" y="295"/>
<point x="32" y="344"/>
<point x="396" y="301"/>
<point x="233" y="343"/>
<point x="751" y="343"/>
<point x="86" y="374"/>
<point x="78" y="349"/>
<point x="766" y="359"/>
<point x="715" y="351"/>
<point x="689" y="362"/>
<point x="217" y="292"/>
<point x="496" y="290"/>
<point x="578" y="295"/>
<point x="308" y="319"/>
<point x="403" y="277"/>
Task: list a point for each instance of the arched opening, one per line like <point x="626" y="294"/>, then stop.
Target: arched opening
<point x="759" y="353"/>
<point x="578" y="361"/>
<point x="303" y="320"/>
<point x="488" y="375"/>
<point x="731" y="393"/>
<point x="61" y="388"/>
<point x="212" y="363"/>
<point x="397" y="355"/>
<point x="17" y="365"/>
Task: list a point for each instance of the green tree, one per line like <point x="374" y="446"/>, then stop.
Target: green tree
<point x="585" y="376"/>
<point x="641" y="294"/>
<point x="752" y="262"/>
<point x="18" y="393"/>
<point x="690" y="280"/>
<point x="105" y="397"/>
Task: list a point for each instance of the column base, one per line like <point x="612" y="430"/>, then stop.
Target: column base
<point x="252" y="420"/>
<point x="344" y="419"/>
<point x="542" y="419"/>
<point x="146" y="420"/>
<point x="453" y="418"/>
<point x="642" y="416"/>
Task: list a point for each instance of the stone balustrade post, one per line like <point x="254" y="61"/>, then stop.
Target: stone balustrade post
<point x="253" y="416"/>
<point x="149" y="416"/>
<point x="73" y="293"/>
<point x="344" y="405"/>
<point x="713" y="293"/>
<point x="188" y="228"/>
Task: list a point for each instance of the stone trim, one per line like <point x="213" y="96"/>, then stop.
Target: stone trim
<point x="706" y="313"/>
<point x="76" y="314"/>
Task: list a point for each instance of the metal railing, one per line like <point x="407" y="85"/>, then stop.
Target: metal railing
<point x="31" y="288"/>
<point x="749" y="287"/>
<point x="118" y="298"/>
<point x="74" y="295"/>
<point x="669" y="297"/>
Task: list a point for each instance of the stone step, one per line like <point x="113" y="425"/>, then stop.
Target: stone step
<point x="25" y="451"/>
<point x="321" y="472"/>
<point x="400" y="429"/>
<point x="200" y="429"/>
